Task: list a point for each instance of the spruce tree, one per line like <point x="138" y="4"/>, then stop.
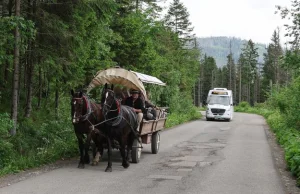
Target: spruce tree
<point x="272" y="70"/>
<point x="178" y="20"/>
<point x="210" y="75"/>
<point x="249" y="72"/>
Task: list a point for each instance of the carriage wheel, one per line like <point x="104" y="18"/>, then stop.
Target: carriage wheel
<point x="136" y="151"/>
<point x="155" y="142"/>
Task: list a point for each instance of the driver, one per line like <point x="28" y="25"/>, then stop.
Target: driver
<point x="137" y="104"/>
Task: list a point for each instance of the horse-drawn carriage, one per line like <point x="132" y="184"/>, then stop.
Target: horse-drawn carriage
<point x="149" y="130"/>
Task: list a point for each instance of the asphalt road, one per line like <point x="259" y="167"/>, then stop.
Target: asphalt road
<point x="207" y="157"/>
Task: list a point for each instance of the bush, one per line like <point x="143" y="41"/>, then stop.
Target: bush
<point x="6" y="148"/>
<point x="38" y="141"/>
<point x="177" y="118"/>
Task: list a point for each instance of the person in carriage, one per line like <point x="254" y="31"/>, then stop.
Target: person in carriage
<point x="150" y="108"/>
<point x="137" y="104"/>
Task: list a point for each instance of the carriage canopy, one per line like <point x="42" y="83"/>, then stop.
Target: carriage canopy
<point x="129" y="79"/>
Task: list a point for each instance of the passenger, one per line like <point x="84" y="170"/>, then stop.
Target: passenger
<point x="137" y="104"/>
<point x="150" y="113"/>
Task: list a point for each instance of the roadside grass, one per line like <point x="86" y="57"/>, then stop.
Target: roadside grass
<point x="203" y="108"/>
<point x="179" y="118"/>
<point x="287" y="135"/>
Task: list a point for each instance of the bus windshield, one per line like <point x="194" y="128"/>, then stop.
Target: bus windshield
<point x="222" y="100"/>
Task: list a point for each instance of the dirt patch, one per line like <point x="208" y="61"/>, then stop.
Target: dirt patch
<point x="288" y="180"/>
<point x="14" y="178"/>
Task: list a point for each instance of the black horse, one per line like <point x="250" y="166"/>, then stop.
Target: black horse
<point x="120" y="125"/>
<point x="84" y="114"/>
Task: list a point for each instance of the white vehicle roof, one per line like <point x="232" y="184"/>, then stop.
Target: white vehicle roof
<point x="220" y="92"/>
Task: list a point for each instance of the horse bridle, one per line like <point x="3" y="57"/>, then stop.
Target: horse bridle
<point x="89" y="111"/>
<point x="109" y="106"/>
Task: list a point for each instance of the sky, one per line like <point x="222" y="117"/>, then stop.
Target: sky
<point x="246" y="19"/>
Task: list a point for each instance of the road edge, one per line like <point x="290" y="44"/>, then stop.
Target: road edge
<point x="287" y="179"/>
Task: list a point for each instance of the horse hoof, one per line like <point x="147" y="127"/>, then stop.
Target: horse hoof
<point x="81" y="166"/>
<point x="108" y="169"/>
<point x="95" y="163"/>
<point x="125" y="164"/>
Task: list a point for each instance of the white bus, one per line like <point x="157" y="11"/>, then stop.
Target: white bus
<point x="219" y="104"/>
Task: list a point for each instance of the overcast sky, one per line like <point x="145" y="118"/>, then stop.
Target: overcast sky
<point x="246" y="19"/>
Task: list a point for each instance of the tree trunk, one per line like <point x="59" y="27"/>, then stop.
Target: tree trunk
<point x="254" y="92"/>
<point x="240" y="85"/>
<point x="6" y="68"/>
<point x="136" y="6"/>
<point x="31" y="64"/>
<point x="14" y="110"/>
<point x="56" y="98"/>
<point x="29" y="88"/>
<point x="40" y="86"/>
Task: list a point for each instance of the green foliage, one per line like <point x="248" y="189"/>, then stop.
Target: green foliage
<point x="209" y="74"/>
<point x="38" y="141"/>
<point x="177" y="118"/>
<point x="5" y="146"/>
<point x="293" y="27"/>
<point x="291" y="62"/>
<point x="7" y="41"/>
<point x="242" y="107"/>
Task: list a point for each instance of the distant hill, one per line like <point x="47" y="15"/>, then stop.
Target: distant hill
<point x="218" y="47"/>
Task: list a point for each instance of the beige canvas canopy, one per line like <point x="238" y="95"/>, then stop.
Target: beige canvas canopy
<point x="117" y="75"/>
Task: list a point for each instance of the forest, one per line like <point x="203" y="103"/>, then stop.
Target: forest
<point x="48" y="47"/>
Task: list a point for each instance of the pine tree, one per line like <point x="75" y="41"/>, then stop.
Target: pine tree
<point x="240" y="64"/>
<point x="14" y="109"/>
<point x="272" y="70"/>
<point x="231" y="76"/>
<point x="210" y="75"/>
<point x="249" y="71"/>
<point x="178" y="20"/>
